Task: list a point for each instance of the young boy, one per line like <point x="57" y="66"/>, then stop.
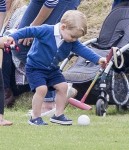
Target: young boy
<point x="51" y="45"/>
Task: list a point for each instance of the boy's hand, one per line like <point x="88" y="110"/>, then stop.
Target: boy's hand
<point x="10" y="41"/>
<point x="10" y="45"/>
<point x="102" y="62"/>
<point x="26" y="41"/>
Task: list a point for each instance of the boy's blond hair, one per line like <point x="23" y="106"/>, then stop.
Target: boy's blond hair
<point x="75" y="19"/>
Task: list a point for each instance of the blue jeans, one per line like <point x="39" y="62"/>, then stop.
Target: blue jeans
<point x="116" y="2"/>
<point x="33" y="9"/>
<point x="1" y="93"/>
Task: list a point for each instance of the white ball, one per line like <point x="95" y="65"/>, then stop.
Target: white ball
<point x="83" y="120"/>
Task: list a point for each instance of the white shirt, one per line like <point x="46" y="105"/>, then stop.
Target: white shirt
<point x="57" y="35"/>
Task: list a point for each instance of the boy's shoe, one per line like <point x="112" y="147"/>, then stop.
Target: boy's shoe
<point x="61" y="120"/>
<point x="37" y="122"/>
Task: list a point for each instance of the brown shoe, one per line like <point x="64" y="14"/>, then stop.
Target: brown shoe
<point x="5" y="123"/>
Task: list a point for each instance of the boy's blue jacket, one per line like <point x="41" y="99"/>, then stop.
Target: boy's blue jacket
<point x="44" y="53"/>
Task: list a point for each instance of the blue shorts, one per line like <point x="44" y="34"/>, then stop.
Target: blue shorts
<point x="38" y="77"/>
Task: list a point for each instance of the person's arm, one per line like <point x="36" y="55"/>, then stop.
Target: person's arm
<point x="35" y="32"/>
<point x="88" y="54"/>
<point x="45" y="12"/>
<point x="85" y="52"/>
<point x="42" y="16"/>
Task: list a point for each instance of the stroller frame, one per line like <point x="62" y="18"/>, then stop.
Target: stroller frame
<point x="103" y="98"/>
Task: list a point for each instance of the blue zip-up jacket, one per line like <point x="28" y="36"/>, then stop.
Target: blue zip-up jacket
<point x="44" y="53"/>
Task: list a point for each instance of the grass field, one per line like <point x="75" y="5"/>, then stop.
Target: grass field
<point x="103" y="133"/>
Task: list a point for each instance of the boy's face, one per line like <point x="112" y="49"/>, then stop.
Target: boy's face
<point x="69" y="35"/>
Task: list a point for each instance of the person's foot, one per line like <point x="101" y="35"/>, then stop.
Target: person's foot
<point x="4" y="122"/>
<point x="37" y="122"/>
<point x="61" y="120"/>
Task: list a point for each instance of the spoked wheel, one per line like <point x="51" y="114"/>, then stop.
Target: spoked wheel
<point x="101" y="107"/>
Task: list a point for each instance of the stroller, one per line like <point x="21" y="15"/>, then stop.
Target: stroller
<point x="112" y="86"/>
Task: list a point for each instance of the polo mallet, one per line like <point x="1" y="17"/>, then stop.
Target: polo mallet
<point x="80" y="104"/>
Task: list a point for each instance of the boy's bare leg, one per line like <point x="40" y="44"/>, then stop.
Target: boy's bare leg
<point x="61" y="98"/>
<point x="38" y="100"/>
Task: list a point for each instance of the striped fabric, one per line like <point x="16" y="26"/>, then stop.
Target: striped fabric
<point x="2" y="6"/>
<point x="51" y="3"/>
<point x="16" y="18"/>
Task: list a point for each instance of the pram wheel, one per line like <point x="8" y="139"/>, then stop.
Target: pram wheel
<point x="122" y="108"/>
<point x="101" y="107"/>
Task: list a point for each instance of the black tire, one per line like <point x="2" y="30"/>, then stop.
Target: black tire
<point x="100" y="107"/>
<point x="122" y="108"/>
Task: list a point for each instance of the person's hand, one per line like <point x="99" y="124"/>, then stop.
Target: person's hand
<point x="102" y="62"/>
<point x="10" y="41"/>
<point x="26" y="41"/>
<point x="10" y="44"/>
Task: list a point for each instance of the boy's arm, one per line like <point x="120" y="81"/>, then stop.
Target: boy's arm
<point x="28" y="32"/>
<point x="85" y="52"/>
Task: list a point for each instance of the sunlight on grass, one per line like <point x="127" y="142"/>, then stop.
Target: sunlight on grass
<point x="103" y="133"/>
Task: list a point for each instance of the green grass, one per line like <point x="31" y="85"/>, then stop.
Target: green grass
<point x="103" y="133"/>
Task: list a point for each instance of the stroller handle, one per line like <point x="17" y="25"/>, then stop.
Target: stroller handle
<point x="122" y="50"/>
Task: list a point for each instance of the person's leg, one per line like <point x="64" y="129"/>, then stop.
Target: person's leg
<point x="38" y="100"/>
<point x="3" y="122"/>
<point x="49" y="102"/>
<point x="7" y="71"/>
<point x="37" y="82"/>
<point x="57" y="81"/>
<point x="61" y="98"/>
<point x="37" y="105"/>
<point x="1" y="94"/>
